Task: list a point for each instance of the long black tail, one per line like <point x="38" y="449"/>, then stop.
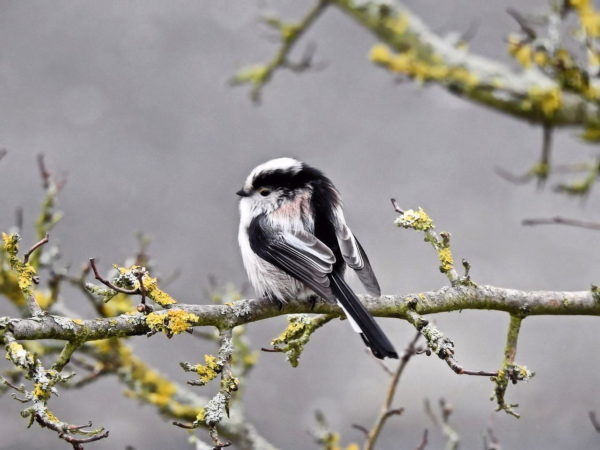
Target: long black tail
<point x="361" y="320"/>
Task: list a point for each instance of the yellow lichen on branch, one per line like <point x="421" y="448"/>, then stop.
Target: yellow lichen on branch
<point x="416" y="220"/>
<point x="446" y="259"/>
<point x="171" y="322"/>
<point x="209" y="370"/>
<point x="24" y="271"/>
<point x="547" y="100"/>
<point x="588" y="16"/>
<point x="412" y="64"/>
<point x="128" y="278"/>
<point x="156" y="294"/>
<point x="419" y="220"/>
<point x="521" y="52"/>
<point x="297" y="334"/>
<point x="17" y="354"/>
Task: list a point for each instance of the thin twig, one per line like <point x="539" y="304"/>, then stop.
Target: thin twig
<point x="396" y="206"/>
<point x="77" y="443"/>
<point x="44" y="173"/>
<point x="424" y="440"/>
<point x="361" y="429"/>
<point x="385" y="368"/>
<point x="442" y="346"/>
<point x="271" y="350"/>
<point x="186" y="426"/>
<point x="458" y="369"/>
<point x="558" y="220"/>
<point x="490" y="441"/>
<point x="35" y="247"/>
<point x="290" y="34"/>
<point x="108" y="283"/>
<point x="65" y="355"/>
<point x="306" y="62"/>
<point x="219" y="444"/>
<point x="449" y="432"/>
<point x="514" y="178"/>
<point x="386" y="409"/>
<point x="509" y="371"/>
<point x="64" y="432"/>
<point x="523" y="23"/>
<point x="544" y="164"/>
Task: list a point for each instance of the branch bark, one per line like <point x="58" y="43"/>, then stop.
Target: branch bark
<point x="516" y="302"/>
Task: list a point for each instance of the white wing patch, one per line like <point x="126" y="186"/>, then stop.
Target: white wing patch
<point x="349" y="248"/>
<point x="354" y="255"/>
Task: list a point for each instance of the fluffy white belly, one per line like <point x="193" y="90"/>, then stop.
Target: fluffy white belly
<point x="266" y="279"/>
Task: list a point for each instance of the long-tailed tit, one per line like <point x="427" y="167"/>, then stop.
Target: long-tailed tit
<point x="295" y="243"/>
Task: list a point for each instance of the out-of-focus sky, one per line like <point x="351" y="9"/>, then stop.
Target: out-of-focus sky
<point x="130" y="101"/>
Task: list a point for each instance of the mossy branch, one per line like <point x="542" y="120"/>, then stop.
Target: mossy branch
<point x="509" y="371"/>
<point x="533" y="94"/>
<point x="446" y="299"/>
<point x="43" y="387"/>
<point x="289" y="33"/>
<point x="551" y="90"/>
<point x="297" y="334"/>
<point x="419" y="220"/>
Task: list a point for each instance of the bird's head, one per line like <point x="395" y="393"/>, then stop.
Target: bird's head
<point x="271" y="183"/>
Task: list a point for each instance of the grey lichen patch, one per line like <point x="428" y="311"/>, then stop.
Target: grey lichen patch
<point x="4" y="322"/>
<point x="241" y="308"/>
<point x="19" y="356"/>
<point x="65" y="323"/>
<point x="134" y="319"/>
<point x="215" y="409"/>
<point x="437" y="342"/>
<point x="126" y="279"/>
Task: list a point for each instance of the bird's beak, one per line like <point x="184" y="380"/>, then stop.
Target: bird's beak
<point x="242" y="193"/>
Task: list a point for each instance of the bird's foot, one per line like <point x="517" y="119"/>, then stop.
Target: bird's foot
<point x="313" y="301"/>
<point x="275" y="300"/>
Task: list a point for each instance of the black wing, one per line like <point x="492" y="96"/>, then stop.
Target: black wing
<point x="299" y="254"/>
<point x="304" y="257"/>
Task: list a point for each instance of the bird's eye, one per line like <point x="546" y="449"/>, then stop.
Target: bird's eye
<point x="264" y="192"/>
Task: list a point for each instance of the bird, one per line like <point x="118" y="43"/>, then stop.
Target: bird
<point x="295" y="244"/>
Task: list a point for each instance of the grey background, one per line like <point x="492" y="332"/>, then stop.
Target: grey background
<point x="129" y="99"/>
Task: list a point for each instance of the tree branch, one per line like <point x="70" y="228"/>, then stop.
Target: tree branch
<point x="446" y="299"/>
<point x="386" y="409"/>
<point x="509" y="371"/>
<point x="259" y="75"/>
<point x="452" y="437"/>
<point x="558" y="220"/>
<point x="531" y="94"/>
